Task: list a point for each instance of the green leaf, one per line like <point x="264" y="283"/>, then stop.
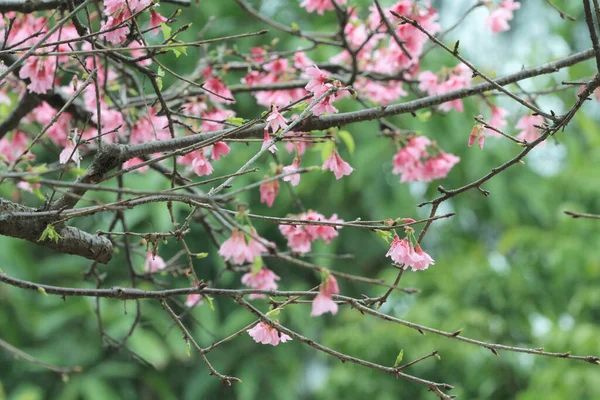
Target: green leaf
<point x="388" y="236"/>
<point x="235" y="121"/>
<point x="166" y="30"/>
<point x="300" y="107"/>
<point x="399" y="358"/>
<point x="348" y="140"/>
<point x="50" y="234"/>
<point x="295" y="27"/>
<point x="209" y="300"/>
<point x="257" y="265"/>
<point x="424" y="116"/>
<point x="159" y="77"/>
<point x="326" y="149"/>
<point x="200" y="256"/>
<point x="188" y="349"/>
<point x="42" y="290"/>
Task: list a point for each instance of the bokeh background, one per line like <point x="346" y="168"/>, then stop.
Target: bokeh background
<point x="510" y="268"/>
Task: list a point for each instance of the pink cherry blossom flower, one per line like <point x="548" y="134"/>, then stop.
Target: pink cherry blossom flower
<point x="154" y="263"/>
<point x="268" y="191"/>
<point x="267" y="142"/>
<point x="40" y="71"/>
<point x="323" y="302"/>
<point x="28" y="186"/>
<point x="337" y="165"/>
<point x="320" y="5"/>
<point x="219" y="149"/>
<point x="422" y="260"/>
<point x="399" y="250"/>
<point x="155" y="20"/>
<point x="317" y="78"/>
<point x="275" y="120"/>
<point x="497" y="120"/>
<point x="324" y="106"/>
<point x="201" y="166"/>
<point x="301" y="61"/>
<point x="193" y="300"/>
<point x="527" y="125"/>
<point x="115" y="29"/>
<point x="403" y="252"/>
<point x="428" y="82"/>
<point x="12" y="146"/>
<point x="135" y="161"/>
<point x="499" y="17"/>
<point x="70" y="152"/>
<point x="477" y="133"/>
<point x="215" y="85"/>
<point x="265" y="334"/>
<point x="294" y="179"/>
<point x="262" y="280"/>
<point x="299" y="240"/>
<point x="300" y="237"/>
<point x="438" y="167"/>
<point x="238" y="250"/>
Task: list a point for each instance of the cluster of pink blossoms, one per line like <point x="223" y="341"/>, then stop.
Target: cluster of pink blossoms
<point x="239" y="250"/>
<point x="527" y="124"/>
<point x="119" y="12"/>
<point x="262" y="280"/>
<point x="498" y="19"/>
<point x="265" y="334"/>
<point x="300" y="237"/>
<point x="403" y="252"/>
<point x="457" y="78"/>
<point x="415" y="163"/>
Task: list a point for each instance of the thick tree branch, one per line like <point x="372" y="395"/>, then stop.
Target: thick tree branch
<point x="29" y="6"/>
<point x="72" y="240"/>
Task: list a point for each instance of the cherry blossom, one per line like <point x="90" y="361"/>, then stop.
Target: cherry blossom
<point x="262" y="280"/>
<point x="70" y="152"/>
<point x="40" y="71"/>
<point x="320" y="6"/>
<point x="275" y="120"/>
<point x="323" y="302"/>
<point x="265" y="334"/>
<point x="193" y="300"/>
<point x="337" y="165"/>
<point x="268" y="191"/>
<point x="294" y="179"/>
<point x="237" y="250"/>
<point x="317" y="78"/>
<point x="300" y="237"/>
<point x="219" y="150"/>
<point x="403" y="252"/>
<point x="155" y="20"/>
<point x="498" y="19"/>
<point x="201" y="166"/>
<point x="527" y="125"/>
<point x="154" y="263"/>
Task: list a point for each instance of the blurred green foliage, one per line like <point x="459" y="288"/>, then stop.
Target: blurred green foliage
<point x="510" y="268"/>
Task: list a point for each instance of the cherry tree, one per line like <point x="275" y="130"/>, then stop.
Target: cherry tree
<point x="93" y="105"/>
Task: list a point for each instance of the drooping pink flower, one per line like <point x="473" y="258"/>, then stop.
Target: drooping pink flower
<point x="527" y="125"/>
<point x="201" y="166"/>
<point x="13" y="146"/>
<point x="135" y="161"/>
<point x="438" y="167"/>
<point x="154" y="263"/>
<point x="262" y="280"/>
<point x="301" y="61"/>
<point x="422" y="260"/>
<point x="323" y="106"/>
<point x="238" y="250"/>
<point x="70" y="152"/>
<point x="403" y="252"/>
<point x="320" y="5"/>
<point x="193" y="300"/>
<point x="115" y="29"/>
<point x="317" y="78"/>
<point x="323" y="302"/>
<point x="40" y="72"/>
<point x="155" y="20"/>
<point x="499" y="17"/>
<point x="275" y="120"/>
<point x="219" y="149"/>
<point x="294" y="179"/>
<point x="265" y="334"/>
<point x="268" y="192"/>
<point x="337" y="165"/>
<point x="215" y="85"/>
<point x="300" y="237"/>
<point x="497" y="120"/>
<point x="477" y="133"/>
